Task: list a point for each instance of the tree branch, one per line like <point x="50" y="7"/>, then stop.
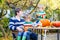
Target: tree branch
<point x="24" y="4"/>
<point x="14" y="4"/>
<point x="2" y="29"/>
<point x="35" y="6"/>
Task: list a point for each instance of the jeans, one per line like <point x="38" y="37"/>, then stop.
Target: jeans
<point x="29" y="35"/>
<point x="34" y="36"/>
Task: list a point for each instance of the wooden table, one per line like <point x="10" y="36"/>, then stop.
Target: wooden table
<point x="46" y="28"/>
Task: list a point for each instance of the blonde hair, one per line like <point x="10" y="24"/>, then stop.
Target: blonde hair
<point x="28" y="17"/>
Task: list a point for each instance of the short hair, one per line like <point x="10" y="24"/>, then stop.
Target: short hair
<point x="40" y="5"/>
<point x="17" y="10"/>
<point x="28" y="16"/>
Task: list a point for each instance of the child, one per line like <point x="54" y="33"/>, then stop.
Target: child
<point x="41" y="14"/>
<point x="28" y="23"/>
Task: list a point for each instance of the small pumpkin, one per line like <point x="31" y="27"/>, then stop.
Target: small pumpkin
<point x="26" y="27"/>
<point x="56" y="23"/>
<point x="45" y="22"/>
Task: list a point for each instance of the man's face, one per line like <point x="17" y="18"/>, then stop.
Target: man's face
<point x="19" y="13"/>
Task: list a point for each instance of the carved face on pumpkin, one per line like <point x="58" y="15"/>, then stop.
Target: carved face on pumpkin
<point x="45" y="22"/>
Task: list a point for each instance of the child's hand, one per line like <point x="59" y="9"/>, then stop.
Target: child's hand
<point x="29" y="29"/>
<point x="38" y="15"/>
<point x="19" y="29"/>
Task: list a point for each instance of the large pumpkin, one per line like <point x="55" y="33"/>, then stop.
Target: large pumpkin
<point x="45" y="22"/>
<point x="56" y="23"/>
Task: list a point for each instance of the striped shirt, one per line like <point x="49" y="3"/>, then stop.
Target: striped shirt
<point x="28" y="24"/>
<point x="14" y="22"/>
<point x="31" y="24"/>
<point x="41" y="14"/>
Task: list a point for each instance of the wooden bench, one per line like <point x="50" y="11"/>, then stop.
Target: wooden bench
<point x="36" y="31"/>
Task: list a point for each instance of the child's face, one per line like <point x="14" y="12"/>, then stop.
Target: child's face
<point x="28" y="19"/>
<point x="41" y="9"/>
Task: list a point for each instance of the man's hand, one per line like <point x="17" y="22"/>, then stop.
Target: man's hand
<point x="19" y="29"/>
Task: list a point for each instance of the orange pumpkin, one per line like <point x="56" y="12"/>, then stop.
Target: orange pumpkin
<point x="45" y="22"/>
<point x="26" y="27"/>
<point x="56" y="23"/>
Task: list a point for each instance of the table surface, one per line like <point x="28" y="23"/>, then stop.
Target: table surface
<point x="44" y="27"/>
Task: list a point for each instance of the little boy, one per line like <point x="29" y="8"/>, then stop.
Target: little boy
<point x="41" y="13"/>
<point x="28" y="23"/>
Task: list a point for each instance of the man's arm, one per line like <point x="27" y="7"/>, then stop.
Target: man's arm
<point x="11" y="25"/>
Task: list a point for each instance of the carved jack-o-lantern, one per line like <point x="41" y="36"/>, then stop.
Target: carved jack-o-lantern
<point x="45" y="22"/>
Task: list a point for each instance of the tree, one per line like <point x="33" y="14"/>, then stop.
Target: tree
<point x="12" y="4"/>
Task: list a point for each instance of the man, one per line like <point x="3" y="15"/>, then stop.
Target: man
<point x="16" y="23"/>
